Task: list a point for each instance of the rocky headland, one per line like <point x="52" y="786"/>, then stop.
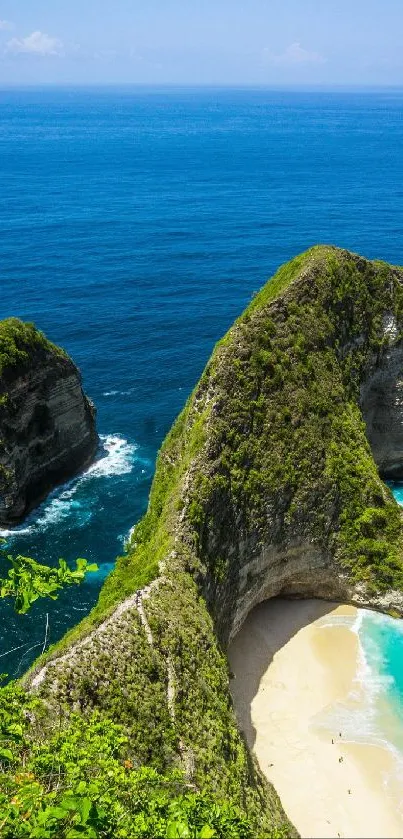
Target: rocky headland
<point x="269" y="483"/>
<point x="47" y="424"/>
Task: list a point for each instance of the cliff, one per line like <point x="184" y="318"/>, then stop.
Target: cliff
<point x="47" y="424"/>
<point x="267" y="484"/>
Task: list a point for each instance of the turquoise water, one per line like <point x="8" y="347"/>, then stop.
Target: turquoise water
<point x="373" y="711"/>
<point x="382" y="643"/>
<point x="136" y="224"/>
<point x="381" y="640"/>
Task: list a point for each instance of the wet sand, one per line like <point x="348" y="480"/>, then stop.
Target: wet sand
<point x="287" y="669"/>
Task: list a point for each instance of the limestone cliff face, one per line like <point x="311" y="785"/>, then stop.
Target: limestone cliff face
<point x="304" y="512"/>
<point x="381" y="401"/>
<point x="47" y="424"/>
<point x="267" y="484"/>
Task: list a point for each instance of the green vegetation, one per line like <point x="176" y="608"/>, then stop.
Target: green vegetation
<point x="289" y="438"/>
<point x="27" y="580"/>
<point x="124" y="678"/>
<point x="83" y="781"/>
<point x="269" y="452"/>
<point x="82" y="774"/>
<point x="153" y="538"/>
<point x="19" y="342"/>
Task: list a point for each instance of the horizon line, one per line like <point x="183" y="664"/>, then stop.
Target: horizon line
<point x="325" y="87"/>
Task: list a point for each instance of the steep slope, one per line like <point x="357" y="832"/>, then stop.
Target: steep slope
<point x="266" y="485"/>
<point x="47" y="424"/>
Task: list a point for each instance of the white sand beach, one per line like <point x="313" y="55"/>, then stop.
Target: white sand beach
<point x="287" y="669"/>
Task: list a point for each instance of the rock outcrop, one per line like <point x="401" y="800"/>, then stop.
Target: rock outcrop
<point x="381" y="401"/>
<point x="47" y="424"/>
<point x="266" y="485"/>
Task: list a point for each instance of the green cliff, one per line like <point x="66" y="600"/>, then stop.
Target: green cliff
<point x="47" y="424"/>
<point x="268" y="483"/>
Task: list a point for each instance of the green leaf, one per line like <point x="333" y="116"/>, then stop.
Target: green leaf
<point x="81" y="564"/>
<point x="16" y="729"/>
<point x="177" y="830"/>
<point x="84" y="807"/>
<point x="40" y="833"/>
<point x="207" y="832"/>
<point x="55" y="813"/>
<point x="81" y="787"/>
<point x="27" y="580"/>
<point x="70" y="802"/>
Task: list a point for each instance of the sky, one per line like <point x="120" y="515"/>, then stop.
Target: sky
<point x="228" y="42"/>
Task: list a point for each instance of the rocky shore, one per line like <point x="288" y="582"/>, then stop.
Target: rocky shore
<point x="47" y="423"/>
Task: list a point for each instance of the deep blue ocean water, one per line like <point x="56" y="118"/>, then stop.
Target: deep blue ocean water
<point x="136" y="224"/>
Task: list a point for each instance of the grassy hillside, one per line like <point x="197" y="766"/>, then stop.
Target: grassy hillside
<point x="269" y="452"/>
<point x="18" y="342"/>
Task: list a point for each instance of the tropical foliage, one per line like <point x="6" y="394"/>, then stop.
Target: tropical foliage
<point x="83" y="782"/>
<point x="27" y="580"/>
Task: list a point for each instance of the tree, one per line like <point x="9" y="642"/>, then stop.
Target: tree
<point x="27" y="579"/>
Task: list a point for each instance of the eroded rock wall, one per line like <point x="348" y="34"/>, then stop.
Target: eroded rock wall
<point x="266" y="485"/>
<point x="47" y="430"/>
<point x="288" y="497"/>
<point x="382" y="408"/>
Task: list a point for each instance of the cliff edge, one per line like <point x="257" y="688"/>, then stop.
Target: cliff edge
<point x="269" y="483"/>
<point x="47" y="424"/>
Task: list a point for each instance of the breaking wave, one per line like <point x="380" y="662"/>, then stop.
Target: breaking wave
<point x="73" y="500"/>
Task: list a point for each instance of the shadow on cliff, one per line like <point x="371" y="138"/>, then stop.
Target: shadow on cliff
<point x="266" y="630"/>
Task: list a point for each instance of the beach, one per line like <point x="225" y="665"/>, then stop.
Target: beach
<point x="288" y="667"/>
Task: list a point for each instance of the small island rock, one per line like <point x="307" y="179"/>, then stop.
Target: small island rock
<point x="47" y="424"/>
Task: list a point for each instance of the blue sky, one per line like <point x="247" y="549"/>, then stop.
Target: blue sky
<point x="273" y="42"/>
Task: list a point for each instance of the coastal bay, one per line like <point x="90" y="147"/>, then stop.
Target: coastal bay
<point x="266" y="481"/>
<point x="292" y="662"/>
<point x="170" y="204"/>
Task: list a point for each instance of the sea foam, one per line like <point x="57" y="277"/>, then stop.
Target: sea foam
<point x="72" y="501"/>
<point x="367" y="715"/>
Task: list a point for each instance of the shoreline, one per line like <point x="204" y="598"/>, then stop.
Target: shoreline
<point x="288" y="670"/>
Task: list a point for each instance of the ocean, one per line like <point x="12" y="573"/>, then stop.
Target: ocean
<point x="136" y="224"/>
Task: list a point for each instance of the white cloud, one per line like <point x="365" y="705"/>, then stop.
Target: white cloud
<point x="294" y="54"/>
<point x="6" y="25"/>
<point x="38" y="43"/>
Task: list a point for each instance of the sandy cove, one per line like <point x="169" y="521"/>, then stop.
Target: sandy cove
<point x="286" y="670"/>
